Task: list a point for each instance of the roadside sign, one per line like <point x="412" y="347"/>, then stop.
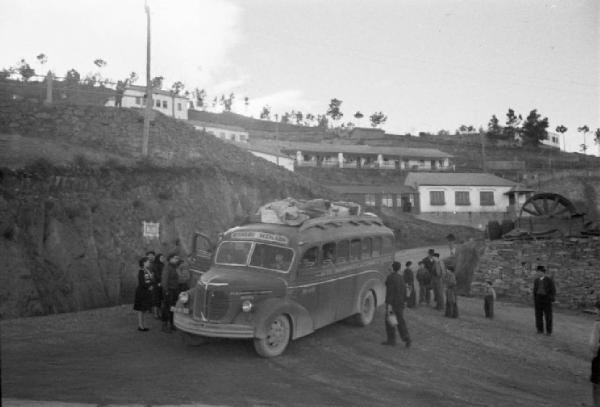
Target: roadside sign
<point x="151" y="230"/>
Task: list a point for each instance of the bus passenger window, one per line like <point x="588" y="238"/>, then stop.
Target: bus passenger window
<point x="309" y="259"/>
<point x="377" y="246"/>
<point x="366" y="248"/>
<point x="328" y="253"/>
<point x="388" y="245"/>
<point x="343" y="249"/>
<point x="355" y="249"/>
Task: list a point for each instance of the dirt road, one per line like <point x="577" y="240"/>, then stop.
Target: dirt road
<point x="99" y="357"/>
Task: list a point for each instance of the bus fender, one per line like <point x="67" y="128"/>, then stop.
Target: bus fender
<point x="301" y="321"/>
<point x="378" y="288"/>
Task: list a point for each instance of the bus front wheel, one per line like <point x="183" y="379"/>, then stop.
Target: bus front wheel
<point x="366" y="311"/>
<point x="276" y="339"/>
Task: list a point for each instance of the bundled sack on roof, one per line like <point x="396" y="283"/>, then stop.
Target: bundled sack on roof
<point x="342" y="208"/>
<point x="290" y="211"/>
<point x="285" y="211"/>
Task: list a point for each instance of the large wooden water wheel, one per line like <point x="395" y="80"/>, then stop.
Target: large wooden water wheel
<point x="547" y="213"/>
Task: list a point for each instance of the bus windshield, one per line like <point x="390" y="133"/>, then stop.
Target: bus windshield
<point x="261" y="255"/>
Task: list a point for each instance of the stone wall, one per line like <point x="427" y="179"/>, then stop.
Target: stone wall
<point x="573" y="263"/>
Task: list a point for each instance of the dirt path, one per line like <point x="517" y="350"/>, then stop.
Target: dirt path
<point x="99" y="357"/>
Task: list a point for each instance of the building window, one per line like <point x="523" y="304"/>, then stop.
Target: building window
<point x="165" y="105"/>
<point x="387" y="200"/>
<point x="437" y="198"/>
<point x="158" y="103"/>
<point x="138" y="100"/>
<point x="461" y="198"/>
<point x="179" y="106"/>
<point x="370" y="200"/>
<point x="486" y="198"/>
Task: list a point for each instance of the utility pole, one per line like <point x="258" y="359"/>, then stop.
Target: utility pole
<point x="149" y="102"/>
<point x="277" y="143"/>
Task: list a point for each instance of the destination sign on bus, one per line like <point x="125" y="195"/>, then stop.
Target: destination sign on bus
<point x="269" y="237"/>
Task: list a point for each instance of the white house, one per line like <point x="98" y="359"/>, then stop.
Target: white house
<point x="466" y="198"/>
<point x="222" y="131"/>
<point x="364" y="156"/>
<point x="165" y="102"/>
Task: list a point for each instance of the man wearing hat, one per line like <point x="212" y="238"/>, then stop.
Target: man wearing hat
<point x="543" y="297"/>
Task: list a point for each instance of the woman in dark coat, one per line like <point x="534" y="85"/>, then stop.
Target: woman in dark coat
<point x="143" y="293"/>
<point x="158" y="265"/>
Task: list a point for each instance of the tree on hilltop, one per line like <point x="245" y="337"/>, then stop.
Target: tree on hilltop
<point x="534" y="129"/>
<point x="494" y="131"/>
<point x="512" y="129"/>
<point x="334" y="110"/>
<point x="265" y="113"/>
<point x="157" y="82"/>
<point x="25" y="70"/>
<point x="584" y="130"/>
<point x="377" y="119"/>
<point x="561" y="130"/>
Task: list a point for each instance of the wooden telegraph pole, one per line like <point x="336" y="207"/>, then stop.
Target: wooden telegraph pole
<point x="149" y="102"/>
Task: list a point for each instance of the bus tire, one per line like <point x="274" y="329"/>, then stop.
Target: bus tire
<point x="366" y="311"/>
<point x="277" y="338"/>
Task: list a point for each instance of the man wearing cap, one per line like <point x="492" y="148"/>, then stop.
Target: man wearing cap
<point x="395" y="297"/>
<point x="544" y="292"/>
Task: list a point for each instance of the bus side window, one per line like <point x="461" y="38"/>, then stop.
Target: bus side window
<point x="377" y="246"/>
<point x="309" y="259"/>
<point x="355" y="249"/>
<point x="388" y="245"/>
<point x="366" y="247"/>
<point x="343" y="249"/>
<point x="328" y="253"/>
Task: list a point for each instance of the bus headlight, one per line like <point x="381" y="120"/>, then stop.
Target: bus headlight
<point x="184" y="297"/>
<point x="247" y="306"/>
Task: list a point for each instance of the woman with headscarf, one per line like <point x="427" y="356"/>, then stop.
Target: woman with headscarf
<point x="143" y="293"/>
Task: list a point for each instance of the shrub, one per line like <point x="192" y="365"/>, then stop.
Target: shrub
<point x="494" y="230"/>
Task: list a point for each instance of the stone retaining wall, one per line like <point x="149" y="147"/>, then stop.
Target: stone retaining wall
<point x="573" y="263"/>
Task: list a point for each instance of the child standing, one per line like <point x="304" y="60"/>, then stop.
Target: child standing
<point x="489" y="299"/>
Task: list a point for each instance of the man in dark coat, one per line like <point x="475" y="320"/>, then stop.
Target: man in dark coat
<point x="395" y="297"/>
<point x="544" y="292"/>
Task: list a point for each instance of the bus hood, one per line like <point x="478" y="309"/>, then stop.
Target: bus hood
<point x="243" y="281"/>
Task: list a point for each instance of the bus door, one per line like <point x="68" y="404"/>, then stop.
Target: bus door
<point x="308" y="276"/>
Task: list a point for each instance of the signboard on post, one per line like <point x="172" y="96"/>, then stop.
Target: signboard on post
<point x="151" y="230"/>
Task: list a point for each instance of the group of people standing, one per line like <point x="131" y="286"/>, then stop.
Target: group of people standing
<point x="433" y="277"/>
<point x="159" y="283"/>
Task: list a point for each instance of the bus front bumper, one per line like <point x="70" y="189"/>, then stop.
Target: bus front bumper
<point x="193" y="326"/>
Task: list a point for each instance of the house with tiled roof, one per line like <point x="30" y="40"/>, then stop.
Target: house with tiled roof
<point x="465" y="198"/>
<point x="364" y="156"/>
<point x="163" y="101"/>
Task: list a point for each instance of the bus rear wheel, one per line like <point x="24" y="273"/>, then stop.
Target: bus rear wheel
<point x="366" y="311"/>
<point x="277" y="338"/>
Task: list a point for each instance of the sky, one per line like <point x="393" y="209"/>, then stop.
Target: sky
<point x="426" y="64"/>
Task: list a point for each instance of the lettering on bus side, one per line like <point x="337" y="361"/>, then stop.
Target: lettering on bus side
<point x="269" y="237"/>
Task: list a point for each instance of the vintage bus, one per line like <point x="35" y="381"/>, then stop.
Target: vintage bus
<point x="274" y="283"/>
